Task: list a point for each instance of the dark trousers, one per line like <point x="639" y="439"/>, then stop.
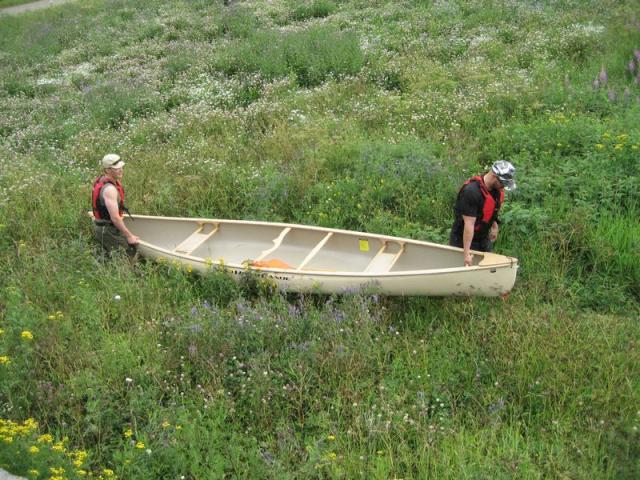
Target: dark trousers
<point x="482" y="245"/>
<point x="111" y="239"/>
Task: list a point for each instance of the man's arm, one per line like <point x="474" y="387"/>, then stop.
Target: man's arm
<point x="111" y="202"/>
<point x="467" y="238"/>
<point x="493" y="232"/>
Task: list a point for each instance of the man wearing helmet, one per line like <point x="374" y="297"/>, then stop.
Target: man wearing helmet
<point x="476" y="210"/>
<point x="108" y="207"/>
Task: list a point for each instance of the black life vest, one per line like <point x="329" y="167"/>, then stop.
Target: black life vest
<point x="100" y="211"/>
<point x="490" y="207"/>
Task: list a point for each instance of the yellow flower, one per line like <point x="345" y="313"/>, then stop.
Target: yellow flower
<point x="57" y="471"/>
<point x="108" y="472"/>
<point x="58" y="447"/>
<point x="166" y="424"/>
<point x="7" y="439"/>
<point x="33" y="472"/>
<point x="81" y="472"/>
<point x="27" y="335"/>
<point x="599" y="146"/>
<point x="46" y="438"/>
<point x="178" y="427"/>
<point x="331" y="438"/>
<point x="1" y="331"/>
<point x="622" y="137"/>
<point x="332" y="456"/>
<point x="4" y="360"/>
<point x="128" y="433"/>
<point x="140" y="445"/>
<point x="77" y="463"/>
<point x="80" y="455"/>
<point x="618" y="146"/>
<point x="33" y="449"/>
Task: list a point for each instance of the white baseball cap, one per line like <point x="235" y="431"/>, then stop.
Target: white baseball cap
<point x="111" y="160"/>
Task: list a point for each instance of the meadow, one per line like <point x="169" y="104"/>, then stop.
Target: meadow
<point x="363" y="115"/>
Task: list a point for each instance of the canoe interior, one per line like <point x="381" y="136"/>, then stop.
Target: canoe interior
<point x="303" y="249"/>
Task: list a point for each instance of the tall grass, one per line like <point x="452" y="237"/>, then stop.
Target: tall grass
<point x="344" y="114"/>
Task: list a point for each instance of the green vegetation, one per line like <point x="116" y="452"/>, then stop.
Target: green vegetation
<point x="358" y="115"/>
<point x="11" y="3"/>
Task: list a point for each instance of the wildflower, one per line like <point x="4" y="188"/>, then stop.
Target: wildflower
<point x="7" y="439"/>
<point x="166" y="424"/>
<point x="4" y="360"/>
<point x="178" y="427"/>
<point x="33" y="472"/>
<point x="140" y="445"/>
<point x="612" y="95"/>
<point x="27" y="335"/>
<point x="331" y="438"/>
<point x="618" y="146"/>
<point x="602" y="76"/>
<point x="33" y="449"/>
<point x="57" y="471"/>
<point x="58" y="447"/>
<point x="81" y="473"/>
<point x="596" y="84"/>
<point x="108" y="472"/>
<point x="128" y="433"/>
<point x="1" y="331"/>
<point x="332" y="456"/>
<point x="77" y="463"/>
<point x="117" y="298"/>
<point x="46" y="438"/>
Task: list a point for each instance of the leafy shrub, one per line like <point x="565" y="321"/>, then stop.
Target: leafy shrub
<point x="312" y="55"/>
<point x="111" y="103"/>
<point x="316" y="9"/>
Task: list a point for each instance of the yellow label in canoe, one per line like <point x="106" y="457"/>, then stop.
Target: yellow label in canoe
<point x="364" y="245"/>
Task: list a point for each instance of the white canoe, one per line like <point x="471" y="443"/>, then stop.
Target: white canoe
<point x="302" y="258"/>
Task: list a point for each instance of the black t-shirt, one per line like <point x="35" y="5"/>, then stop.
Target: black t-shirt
<point x="470" y="202"/>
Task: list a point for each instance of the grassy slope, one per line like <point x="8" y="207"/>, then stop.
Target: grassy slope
<point x="364" y="115"/>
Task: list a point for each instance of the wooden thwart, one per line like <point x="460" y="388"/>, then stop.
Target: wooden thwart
<point x="276" y="243"/>
<point x="315" y="250"/>
<point x="197" y="238"/>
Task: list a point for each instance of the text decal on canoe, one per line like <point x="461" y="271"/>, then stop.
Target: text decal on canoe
<point x="364" y="245"/>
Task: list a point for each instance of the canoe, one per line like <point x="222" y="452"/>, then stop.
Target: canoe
<point x="301" y="258"/>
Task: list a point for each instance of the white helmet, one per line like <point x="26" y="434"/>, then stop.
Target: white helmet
<point x="505" y="171"/>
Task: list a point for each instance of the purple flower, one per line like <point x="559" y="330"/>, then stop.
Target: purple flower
<point x="636" y="53"/>
<point x="603" y="77"/>
<point x="632" y="66"/>
<point x="612" y="95"/>
<point x="627" y="94"/>
<point x="596" y="84"/>
<point x="637" y="80"/>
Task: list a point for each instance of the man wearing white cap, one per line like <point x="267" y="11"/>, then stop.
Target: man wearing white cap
<point x="107" y="201"/>
<point x="476" y="210"/>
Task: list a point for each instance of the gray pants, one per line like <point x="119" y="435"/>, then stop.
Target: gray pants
<point x="111" y="239"/>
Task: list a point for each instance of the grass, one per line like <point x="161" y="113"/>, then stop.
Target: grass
<point x="358" y="115"/>
<point x="11" y="3"/>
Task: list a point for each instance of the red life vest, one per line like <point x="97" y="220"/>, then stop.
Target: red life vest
<point x="490" y="207"/>
<point x="100" y="211"/>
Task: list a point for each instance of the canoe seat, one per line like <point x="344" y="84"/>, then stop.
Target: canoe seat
<point x="197" y="238"/>
<point x="384" y="261"/>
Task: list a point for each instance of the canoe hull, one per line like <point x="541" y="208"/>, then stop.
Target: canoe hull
<point x="485" y="283"/>
<point x="299" y="258"/>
